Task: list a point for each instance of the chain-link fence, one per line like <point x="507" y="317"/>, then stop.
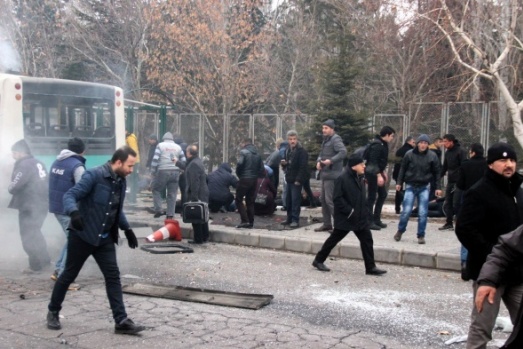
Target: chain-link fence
<point x="218" y="136"/>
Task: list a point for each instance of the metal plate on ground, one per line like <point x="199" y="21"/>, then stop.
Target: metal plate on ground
<point x="166" y="248"/>
<point x="200" y="295"/>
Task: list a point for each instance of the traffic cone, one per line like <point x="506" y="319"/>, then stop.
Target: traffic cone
<point x="170" y="231"/>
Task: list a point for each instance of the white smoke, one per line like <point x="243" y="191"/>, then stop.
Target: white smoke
<point x="9" y="58"/>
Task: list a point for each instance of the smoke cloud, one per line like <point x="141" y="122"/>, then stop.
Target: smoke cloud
<point x="9" y="57"/>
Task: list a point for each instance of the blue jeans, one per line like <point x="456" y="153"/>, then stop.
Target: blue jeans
<point x="411" y="192"/>
<point x="293" y="203"/>
<point x="64" y="222"/>
<point x="105" y="257"/>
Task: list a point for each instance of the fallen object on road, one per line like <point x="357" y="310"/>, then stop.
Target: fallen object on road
<point x="200" y="295"/>
<point x="165" y="248"/>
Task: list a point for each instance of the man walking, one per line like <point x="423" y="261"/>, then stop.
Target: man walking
<point x="65" y="172"/>
<point x="418" y="168"/>
<point x="30" y="197"/>
<point x="350" y="213"/>
<point x="454" y="157"/>
<point x="377" y="158"/>
<point x="197" y="190"/>
<point x="168" y="162"/>
<point x="296" y="173"/>
<point x="409" y="144"/>
<point x="248" y="168"/>
<point x="95" y="205"/>
<point x="330" y="165"/>
<point x="492" y="207"/>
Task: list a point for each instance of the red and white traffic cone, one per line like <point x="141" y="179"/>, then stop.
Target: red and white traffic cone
<point x="170" y="231"/>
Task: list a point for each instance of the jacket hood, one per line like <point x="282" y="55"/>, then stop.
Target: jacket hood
<point x="251" y="148"/>
<point x="168" y="136"/>
<point x="226" y="167"/>
<point x="66" y="153"/>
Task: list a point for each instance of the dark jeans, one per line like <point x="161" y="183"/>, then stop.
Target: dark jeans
<point x="33" y="242"/>
<point x="246" y="188"/>
<point x="293" y="203"/>
<point x="201" y="232"/>
<point x="452" y="201"/>
<point x="308" y="191"/>
<point x="366" y="245"/>
<point x="105" y="256"/>
<point x="373" y="191"/>
<point x="215" y="205"/>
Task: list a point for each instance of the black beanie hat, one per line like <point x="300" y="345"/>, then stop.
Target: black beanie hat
<point x="76" y="145"/>
<point x="500" y="151"/>
<point x="354" y="160"/>
<point x="21" y="147"/>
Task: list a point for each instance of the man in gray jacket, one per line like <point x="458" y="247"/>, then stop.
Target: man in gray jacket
<point x="330" y="165"/>
<point x="418" y="169"/>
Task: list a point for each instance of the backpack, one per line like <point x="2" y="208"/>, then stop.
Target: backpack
<point x="363" y="151"/>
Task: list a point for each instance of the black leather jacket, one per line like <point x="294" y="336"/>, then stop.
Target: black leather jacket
<point x="250" y="164"/>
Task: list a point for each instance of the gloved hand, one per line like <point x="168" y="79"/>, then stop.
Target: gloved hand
<point x="131" y="238"/>
<point x="77" y="221"/>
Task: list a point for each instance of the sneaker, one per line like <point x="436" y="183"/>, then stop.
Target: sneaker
<point x="54" y="277"/>
<point x="421" y="240"/>
<point x="380" y="224"/>
<point x="245" y="225"/>
<point x="127" y="326"/>
<point x="74" y="287"/>
<point x="397" y="236"/>
<point x="294" y="225"/>
<point x="53" y="320"/>
<point x="447" y="226"/>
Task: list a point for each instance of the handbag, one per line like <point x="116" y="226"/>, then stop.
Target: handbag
<point x="260" y="197"/>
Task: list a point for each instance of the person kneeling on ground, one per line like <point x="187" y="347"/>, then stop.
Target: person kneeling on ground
<point x="350" y="213"/>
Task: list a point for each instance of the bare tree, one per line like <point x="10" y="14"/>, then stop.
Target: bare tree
<point x="490" y="51"/>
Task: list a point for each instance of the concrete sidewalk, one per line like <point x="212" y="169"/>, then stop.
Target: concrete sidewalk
<point x="441" y="250"/>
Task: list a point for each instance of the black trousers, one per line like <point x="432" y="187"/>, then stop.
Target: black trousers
<point x="375" y="197"/>
<point x="366" y="245"/>
<point x="105" y="256"/>
<point x="201" y="232"/>
<point x="33" y="241"/>
<point x="246" y="188"/>
<point x="215" y="205"/>
<point x="398" y="199"/>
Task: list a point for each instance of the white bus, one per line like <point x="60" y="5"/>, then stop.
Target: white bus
<point x="48" y="112"/>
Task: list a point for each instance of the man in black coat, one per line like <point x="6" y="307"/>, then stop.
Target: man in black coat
<point x="470" y="172"/>
<point x="196" y="190"/>
<point x="409" y="144"/>
<point x="350" y="213"/>
<point x="492" y="207"/>
<point x="296" y="173"/>
<point x="454" y="157"/>
<point x="219" y="183"/>
<point x="248" y="168"/>
<point x="377" y="158"/>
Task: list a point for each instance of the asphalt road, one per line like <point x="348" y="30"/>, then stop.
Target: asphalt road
<point x="406" y="308"/>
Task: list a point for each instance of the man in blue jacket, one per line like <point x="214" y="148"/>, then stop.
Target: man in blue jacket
<point x="95" y="205"/>
<point x="65" y="172"/>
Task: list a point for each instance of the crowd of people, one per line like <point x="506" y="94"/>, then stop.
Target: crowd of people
<point x="482" y="203"/>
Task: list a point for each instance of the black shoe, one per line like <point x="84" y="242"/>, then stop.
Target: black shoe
<point x="320" y="266"/>
<point x="464" y="273"/>
<point x="294" y="225"/>
<point x="159" y="214"/>
<point x="375" y="271"/>
<point x="284" y="208"/>
<point x="324" y="228"/>
<point x="53" y="320"/>
<point x="285" y="223"/>
<point x="373" y="226"/>
<point x="127" y="327"/>
<point x="245" y="225"/>
<point x="192" y="242"/>
<point x="447" y="226"/>
<point x="380" y="224"/>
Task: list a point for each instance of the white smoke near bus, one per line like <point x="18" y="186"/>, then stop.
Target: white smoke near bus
<point x="9" y="57"/>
